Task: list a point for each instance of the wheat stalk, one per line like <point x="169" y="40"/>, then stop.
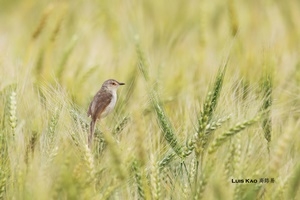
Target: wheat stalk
<point x="200" y="185"/>
<point x="233" y="17"/>
<point x="142" y="63"/>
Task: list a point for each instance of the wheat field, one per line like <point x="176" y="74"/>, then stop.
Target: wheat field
<point x="210" y="109"/>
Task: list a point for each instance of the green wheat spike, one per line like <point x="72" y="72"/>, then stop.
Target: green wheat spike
<point x="166" y="160"/>
<point x="163" y="120"/>
<point x="211" y="101"/>
<point x="3" y="181"/>
<point x="234" y="130"/>
<point x="155" y="180"/>
<point x="167" y="128"/>
<point x="13" y="111"/>
<point x="213" y="125"/>
<point x="138" y="179"/>
<point x="53" y="125"/>
<point x="120" y="126"/>
<point x="267" y="85"/>
<point x="207" y="112"/>
<point x="79" y="119"/>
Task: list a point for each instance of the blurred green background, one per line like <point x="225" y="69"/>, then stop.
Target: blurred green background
<point x="54" y="56"/>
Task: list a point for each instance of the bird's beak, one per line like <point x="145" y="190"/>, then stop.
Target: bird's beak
<point x="121" y="83"/>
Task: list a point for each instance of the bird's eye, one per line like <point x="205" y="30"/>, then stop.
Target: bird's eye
<point x="114" y="83"/>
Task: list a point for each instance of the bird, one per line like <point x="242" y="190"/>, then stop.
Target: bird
<point x="102" y="104"/>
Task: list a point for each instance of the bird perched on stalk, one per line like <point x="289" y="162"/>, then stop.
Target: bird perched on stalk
<point x="103" y="103"/>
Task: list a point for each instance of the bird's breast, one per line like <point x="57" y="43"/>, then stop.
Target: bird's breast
<point x="110" y="106"/>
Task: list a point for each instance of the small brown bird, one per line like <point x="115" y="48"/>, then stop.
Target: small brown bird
<point x="103" y="103"/>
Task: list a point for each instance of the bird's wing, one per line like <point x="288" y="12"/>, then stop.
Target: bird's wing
<point x="100" y="102"/>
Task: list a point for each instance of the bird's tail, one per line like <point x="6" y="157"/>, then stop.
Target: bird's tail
<point x="91" y="135"/>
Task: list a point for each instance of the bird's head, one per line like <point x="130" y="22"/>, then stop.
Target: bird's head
<point x="112" y="84"/>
